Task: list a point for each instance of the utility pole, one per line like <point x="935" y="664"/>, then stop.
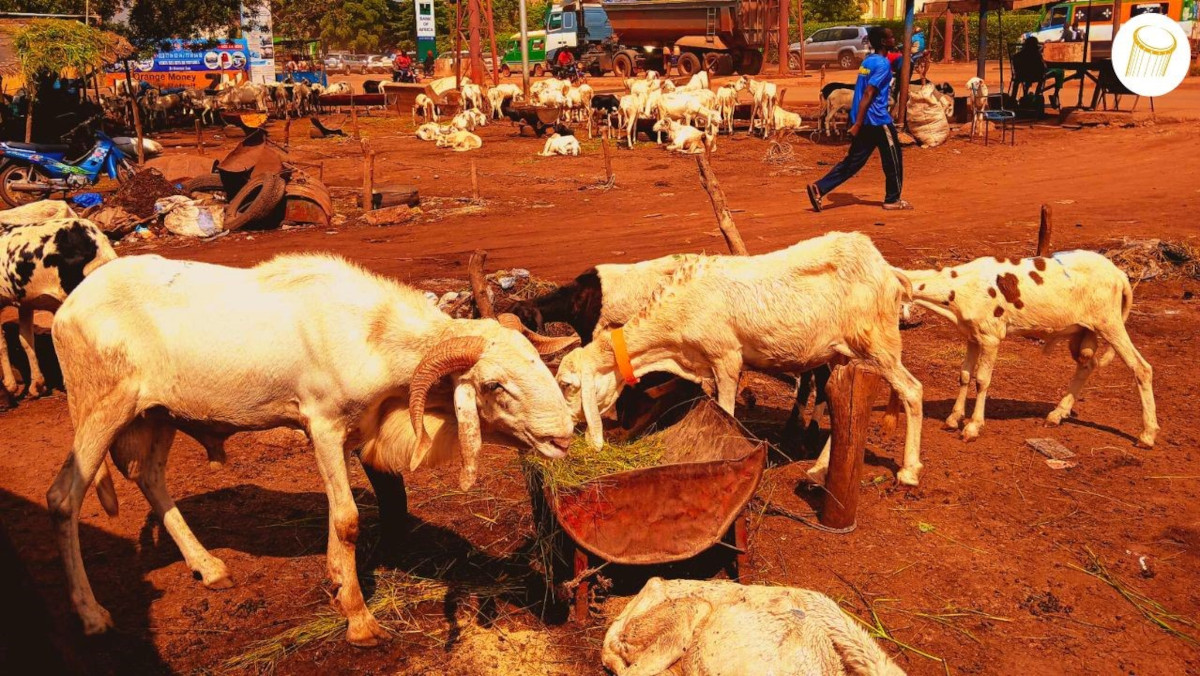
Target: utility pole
<point x="784" y="5"/>
<point x="524" y="50"/>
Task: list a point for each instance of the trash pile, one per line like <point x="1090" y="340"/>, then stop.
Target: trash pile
<point x="132" y="208"/>
<point x="505" y="287"/>
<point x="1144" y="259"/>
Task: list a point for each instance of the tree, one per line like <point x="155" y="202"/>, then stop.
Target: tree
<point x="357" y="25"/>
<point x="832" y="10"/>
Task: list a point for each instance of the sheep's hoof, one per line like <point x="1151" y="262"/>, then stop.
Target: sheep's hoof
<point x="13" y="388"/>
<point x="1146" y="439"/>
<point x="971" y="431"/>
<point x="1056" y="417"/>
<point x="816" y="475"/>
<point x="96" y="620"/>
<point x="909" y="476"/>
<point x="365" y="632"/>
<point x="953" y="420"/>
<point x="216" y="575"/>
<point x="36" y="389"/>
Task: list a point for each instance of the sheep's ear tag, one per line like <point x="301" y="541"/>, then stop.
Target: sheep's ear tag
<point x="622" y="356"/>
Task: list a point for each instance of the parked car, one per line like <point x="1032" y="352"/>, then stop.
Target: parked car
<point x="379" y="64"/>
<point x="355" y="63"/>
<point x="335" y="63"/>
<point x="846" y="46"/>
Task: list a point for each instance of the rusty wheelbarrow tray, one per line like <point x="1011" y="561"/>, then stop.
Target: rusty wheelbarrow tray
<point x="669" y="512"/>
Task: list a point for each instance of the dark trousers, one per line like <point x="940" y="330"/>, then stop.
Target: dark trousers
<point x="870" y="138"/>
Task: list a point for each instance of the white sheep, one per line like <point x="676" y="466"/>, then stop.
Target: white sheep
<point x="426" y="107"/>
<point x="629" y="111"/>
<point x="697" y="82"/>
<point x="829" y="298"/>
<point x="149" y="346"/>
<point x="978" y="103"/>
<point x="785" y="120"/>
<point x="560" y="145"/>
<point x="45" y="252"/>
<point x="1077" y="295"/>
<point x="472" y="96"/>
<point x="431" y="131"/>
<point x="469" y="120"/>
<point x="460" y="141"/>
<point x="837" y="103"/>
<point x="765" y="94"/>
<point x="701" y="628"/>
<point x="727" y="100"/>
<point x="685" y="138"/>
<point x="499" y="94"/>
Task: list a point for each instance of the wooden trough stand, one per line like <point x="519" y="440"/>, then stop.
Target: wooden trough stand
<point x="852" y="390"/>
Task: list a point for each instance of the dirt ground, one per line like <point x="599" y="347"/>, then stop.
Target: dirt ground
<point x="983" y="569"/>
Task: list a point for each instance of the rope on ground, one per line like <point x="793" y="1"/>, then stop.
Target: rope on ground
<point x="779" y="152"/>
<point x="772" y="509"/>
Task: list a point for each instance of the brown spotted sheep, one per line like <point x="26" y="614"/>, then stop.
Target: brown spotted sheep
<point x="1077" y="295"/>
<point x="40" y="263"/>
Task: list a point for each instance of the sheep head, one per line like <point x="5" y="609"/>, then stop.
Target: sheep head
<point x="589" y="382"/>
<point x="499" y="382"/>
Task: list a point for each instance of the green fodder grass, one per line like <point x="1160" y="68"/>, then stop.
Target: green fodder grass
<point x="584" y="464"/>
<point x="394" y="603"/>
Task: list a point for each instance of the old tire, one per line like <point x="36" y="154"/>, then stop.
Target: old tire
<point x="204" y="183"/>
<point x="622" y="66"/>
<point x="255" y="201"/>
<point x="689" y="64"/>
<point x="846" y="60"/>
<point x="721" y="64"/>
<point x="752" y="62"/>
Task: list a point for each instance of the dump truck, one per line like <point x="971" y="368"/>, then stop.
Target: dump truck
<point x="627" y="36"/>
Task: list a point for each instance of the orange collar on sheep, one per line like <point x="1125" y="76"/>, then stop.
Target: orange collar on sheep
<point x="622" y="357"/>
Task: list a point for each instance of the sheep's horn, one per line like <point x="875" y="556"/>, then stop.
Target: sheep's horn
<point x="545" y="345"/>
<point x="449" y="356"/>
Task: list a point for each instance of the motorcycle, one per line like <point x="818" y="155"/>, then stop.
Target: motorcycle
<point x="570" y="72"/>
<point x="404" y="75"/>
<point x="33" y="171"/>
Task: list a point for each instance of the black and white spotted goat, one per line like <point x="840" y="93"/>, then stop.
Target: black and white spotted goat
<point x="41" y="261"/>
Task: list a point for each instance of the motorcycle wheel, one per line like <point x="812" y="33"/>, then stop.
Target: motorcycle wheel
<point x="18" y="172"/>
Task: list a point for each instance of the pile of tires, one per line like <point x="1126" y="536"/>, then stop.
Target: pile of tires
<point x="256" y="201"/>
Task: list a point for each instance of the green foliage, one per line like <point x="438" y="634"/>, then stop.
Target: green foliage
<point x="838" y="11"/>
<point x="357" y="25"/>
<point x="49" y="46"/>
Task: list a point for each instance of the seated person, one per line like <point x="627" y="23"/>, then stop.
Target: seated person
<point x="1029" y="68"/>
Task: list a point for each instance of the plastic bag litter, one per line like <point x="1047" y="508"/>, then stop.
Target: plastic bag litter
<point x="185" y="216"/>
<point x="87" y="199"/>
<point x="507" y="283"/>
<point x="520" y="273"/>
<point x="927" y="116"/>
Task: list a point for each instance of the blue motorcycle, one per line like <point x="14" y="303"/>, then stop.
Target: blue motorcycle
<point x="33" y="171"/>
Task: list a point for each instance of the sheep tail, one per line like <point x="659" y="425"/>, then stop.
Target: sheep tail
<point x="105" y="490"/>
<point x="859" y="652"/>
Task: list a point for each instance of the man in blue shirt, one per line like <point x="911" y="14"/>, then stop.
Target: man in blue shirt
<point x="870" y="126"/>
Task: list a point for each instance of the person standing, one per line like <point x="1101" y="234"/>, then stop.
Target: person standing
<point x="870" y="126"/>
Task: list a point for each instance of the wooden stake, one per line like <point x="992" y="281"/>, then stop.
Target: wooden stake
<point x="137" y="116"/>
<point x="1045" y="230"/>
<point x="479" y="287"/>
<point x="851" y="392"/>
<point x="368" y="176"/>
<point x="353" y="115"/>
<point x="608" y="172"/>
<point x="287" y="131"/>
<point x="580" y="565"/>
<point x="708" y="180"/>
<point x="200" y="137"/>
<point x="474" y="181"/>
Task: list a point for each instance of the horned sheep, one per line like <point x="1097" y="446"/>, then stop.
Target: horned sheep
<point x="149" y="346"/>
<point x="1077" y="295"/>
<point x="829" y="298"/>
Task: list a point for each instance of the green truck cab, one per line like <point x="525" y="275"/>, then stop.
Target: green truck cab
<point x="511" y="61"/>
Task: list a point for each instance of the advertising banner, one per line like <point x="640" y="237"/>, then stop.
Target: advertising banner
<point x="256" y="27"/>
<point x="189" y="64"/>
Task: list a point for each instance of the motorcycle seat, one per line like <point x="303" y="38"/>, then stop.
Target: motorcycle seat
<point x="39" y="147"/>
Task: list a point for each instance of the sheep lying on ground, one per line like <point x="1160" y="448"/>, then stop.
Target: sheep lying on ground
<point x="560" y="145"/>
<point x="431" y="131"/>
<point x="1077" y="295"/>
<point x="825" y="299"/>
<point x="149" y="346"/>
<point x="785" y="120"/>
<point x="469" y="120"/>
<point x="686" y="138"/>
<point x="460" y="141"/>
<point x="702" y="628"/>
<point x="41" y="261"/>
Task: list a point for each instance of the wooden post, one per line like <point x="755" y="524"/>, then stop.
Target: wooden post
<point x="479" y="287"/>
<point x="287" y="131"/>
<point x="580" y="565"/>
<point x="741" y="540"/>
<point x="822" y="77"/>
<point x="1045" y="230"/>
<point x="608" y="172"/>
<point x="491" y="25"/>
<point x="354" y="114"/>
<point x="137" y="116"/>
<point x="474" y="181"/>
<point x="784" y="6"/>
<point x="708" y="180"/>
<point x="851" y="391"/>
<point x="368" y="176"/>
<point x="948" y="39"/>
<point x="901" y="113"/>
<point x="200" y="138"/>
<point x="981" y="63"/>
<point x="800" y="28"/>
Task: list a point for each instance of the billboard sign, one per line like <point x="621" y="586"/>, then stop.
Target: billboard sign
<point x="189" y="63"/>
<point x="260" y="42"/>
